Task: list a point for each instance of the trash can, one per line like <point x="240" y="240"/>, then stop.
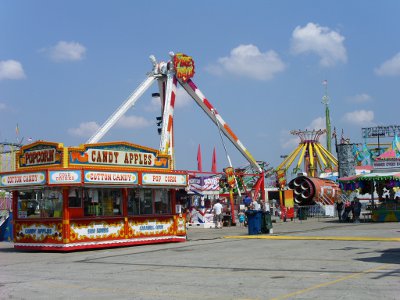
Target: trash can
<point x="266" y="222"/>
<point x="253" y="221"/>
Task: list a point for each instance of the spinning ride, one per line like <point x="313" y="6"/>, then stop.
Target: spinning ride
<point x="316" y="158"/>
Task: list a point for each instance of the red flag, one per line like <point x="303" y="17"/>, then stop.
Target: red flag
<point x="214" y="162"/>
<point x="199" y="164"/>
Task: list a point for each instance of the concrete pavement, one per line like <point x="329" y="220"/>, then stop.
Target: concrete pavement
<point x="219" y="263"/>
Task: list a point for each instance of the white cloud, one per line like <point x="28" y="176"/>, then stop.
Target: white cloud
<point x="86" y="129"/>
<point x="288" y="141"/>
<point x="390" y="67"/>
<point x="359" y="117"/>
<point x="67" y="51"/>
<point x="154" y="105"/>
<point x="182" y="98"/>
<point x="134" y="122"/>
<point x="316" y="124"/>
<point x="324" y="42"/>
<point x="11" y="69"/>
<point x="248" y="61"/>
<point x="360" y="98"/>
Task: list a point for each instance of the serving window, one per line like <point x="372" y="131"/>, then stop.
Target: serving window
<point x="102" y="202"/>
<point x="148" y="201"/>
<point x="46" y="203"/>
<point x="75" y="196"/>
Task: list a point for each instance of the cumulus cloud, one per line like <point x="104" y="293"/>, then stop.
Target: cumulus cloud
<point x="359" y="117"/>
<point x="249" y="61"/>
<point x="86" y="129"/>
<point x="133" y="122"/>
<point x="287" y="140"/>
<point x="360" y="98"/>
<point x="390" y="67"/>
<point x="316" y="124"/>
<point x="66" y="51"/>
<point x="11" y="69"/>
<point x="322" y="41"/>
<point x="182" y="98"/>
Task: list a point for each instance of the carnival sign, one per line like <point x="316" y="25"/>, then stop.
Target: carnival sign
<point x="38" y="232"/>
<point x="63" y="177"/>
<point x="111" y="177"/>
<point x="151" y="227"/>
<point x="204" y="184"/>
<point x="164" y="179"/>
<point x="101" y="230"/>
<point x="380" y="131"/>
<point x="40" y="155"/>
<point x="184" y="66"/>
<point x="387" y="164"/>
<point x="126" y="158"/>
<point x="23" y="179"/>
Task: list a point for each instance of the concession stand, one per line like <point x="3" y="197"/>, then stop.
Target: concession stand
<point x="94" y="196"/>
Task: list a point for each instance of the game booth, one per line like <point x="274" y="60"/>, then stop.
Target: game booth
<point x="382" y="184"/>
<point x="94" y="196"/>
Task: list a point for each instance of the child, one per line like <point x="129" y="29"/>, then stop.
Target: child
<point x="241" y="218"/>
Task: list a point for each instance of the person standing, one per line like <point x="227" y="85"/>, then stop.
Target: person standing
<point x="356" y="210"/>
<point x="217" y="209"/>
<point x="242" y="218"/>
<point x="339" y="208"/>
<point x="255" y="205"/>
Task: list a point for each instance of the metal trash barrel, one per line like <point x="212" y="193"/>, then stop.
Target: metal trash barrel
<point x="253" y="221"/>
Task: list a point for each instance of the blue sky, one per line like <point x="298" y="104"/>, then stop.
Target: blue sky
<point x="65" y="66"/>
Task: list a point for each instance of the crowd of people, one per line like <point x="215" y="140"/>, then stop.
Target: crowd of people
<point x="349" y="211"/>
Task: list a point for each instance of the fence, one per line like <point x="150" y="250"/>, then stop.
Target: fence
<point x="311" y="211"/>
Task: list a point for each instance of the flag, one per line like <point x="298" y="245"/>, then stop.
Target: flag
<point x="199" y="164"/>
<point x="17" y="130"/>
<point x="214" y="162"/>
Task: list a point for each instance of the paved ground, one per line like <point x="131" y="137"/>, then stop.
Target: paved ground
<point x="220" y="264"/>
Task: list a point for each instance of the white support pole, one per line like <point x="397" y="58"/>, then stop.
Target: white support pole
<point x="166" y="146"/>
<point x="121" y="110"/>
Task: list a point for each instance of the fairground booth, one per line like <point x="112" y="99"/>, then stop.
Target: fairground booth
<point x="93" y="196"/>
<point x="382" y="185"/>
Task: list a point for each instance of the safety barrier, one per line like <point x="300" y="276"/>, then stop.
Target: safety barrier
<point x="310" y="211"/>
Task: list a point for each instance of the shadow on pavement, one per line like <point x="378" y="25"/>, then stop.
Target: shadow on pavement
<point x="388" y="256"/>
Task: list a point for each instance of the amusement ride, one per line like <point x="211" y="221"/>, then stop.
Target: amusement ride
<point x="180" y="69"/>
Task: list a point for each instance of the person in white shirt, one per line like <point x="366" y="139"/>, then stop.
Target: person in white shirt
<point x="255" y="205"/>
<point x="267" y="207"/>
<point x="217" y="209"/>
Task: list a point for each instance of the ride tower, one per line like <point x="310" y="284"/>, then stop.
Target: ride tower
<point x="316" y="157"/>
<point x="325" y="101"/>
